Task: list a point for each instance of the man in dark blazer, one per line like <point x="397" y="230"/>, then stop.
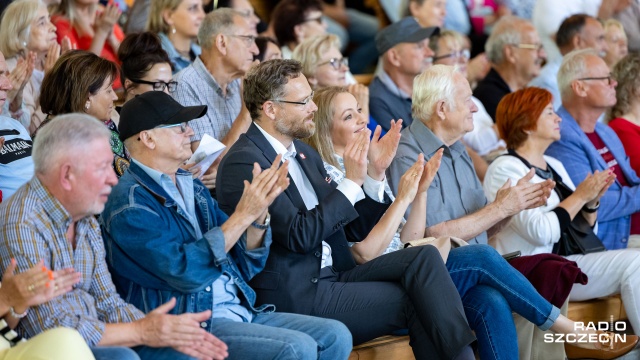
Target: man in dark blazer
<point x="310" y="269"/>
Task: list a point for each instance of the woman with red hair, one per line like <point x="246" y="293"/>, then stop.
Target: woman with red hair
<point x="526" y="121"/>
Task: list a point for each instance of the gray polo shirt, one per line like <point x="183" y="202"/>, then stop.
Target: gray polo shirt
<point x="456" y="191"/>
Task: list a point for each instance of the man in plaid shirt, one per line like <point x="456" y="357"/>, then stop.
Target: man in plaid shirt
<point x="51" y="218"/>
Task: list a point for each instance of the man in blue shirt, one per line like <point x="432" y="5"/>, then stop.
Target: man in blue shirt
<point x="166" y="237"/>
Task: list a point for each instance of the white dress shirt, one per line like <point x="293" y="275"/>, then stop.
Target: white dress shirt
<point x="353" y="192"/>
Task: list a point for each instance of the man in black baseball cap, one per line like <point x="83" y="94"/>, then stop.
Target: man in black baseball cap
<point x="155" y="109"/>
<point x="167" y="238"/>
<point x="404" y="53"/>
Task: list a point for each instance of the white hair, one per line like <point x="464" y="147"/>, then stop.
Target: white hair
<point x="507" y="31"/>
<point x="65" y="134"/>
<point x="433" y="85"/>
<point x="574" y="66"/>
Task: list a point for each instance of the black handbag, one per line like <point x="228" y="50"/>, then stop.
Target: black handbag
<point x="578" y="237"/>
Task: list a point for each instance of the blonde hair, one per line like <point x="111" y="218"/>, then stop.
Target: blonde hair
<point x="321" y="138"/>
<point x="451" y="38"/>
<point x="67" y="8"/>
<point x="310" y="51"/>
<point x="156" y="23"/>
<point x="15" y="27"/>
<point x="613" y="23"/>
<point x="626" y="73"/>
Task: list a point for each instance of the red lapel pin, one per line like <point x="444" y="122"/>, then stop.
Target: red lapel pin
<point x="302" y="156"/>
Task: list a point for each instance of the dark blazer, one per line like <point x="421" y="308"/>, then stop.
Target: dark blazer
<point x="290" y="278"/>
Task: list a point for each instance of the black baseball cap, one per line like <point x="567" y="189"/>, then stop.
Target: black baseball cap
<point x="152" y="109"/>
<point x="406" y="30"/>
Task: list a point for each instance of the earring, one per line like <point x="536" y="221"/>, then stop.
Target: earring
<point x="87" y="105"/>
<point x="24" y="44"/>
<point x="173" y="29"/>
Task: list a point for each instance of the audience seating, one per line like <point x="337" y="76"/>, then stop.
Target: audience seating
<point x="364" y="79"/>
<point x="397" y="347"/>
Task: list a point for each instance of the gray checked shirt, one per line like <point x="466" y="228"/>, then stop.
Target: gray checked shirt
<point x="455" y="191"/>
<point x="196" y="86"/>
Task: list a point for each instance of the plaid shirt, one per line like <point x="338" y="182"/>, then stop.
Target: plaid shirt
<point x="196" y="86"/>
<point x="33" y="226"/>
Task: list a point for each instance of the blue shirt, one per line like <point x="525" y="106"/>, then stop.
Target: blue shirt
<point x="177" y="60"/>
<point x="580" y="157"/>
<point x="181" y="192"/>
<point x="388" y="102"/>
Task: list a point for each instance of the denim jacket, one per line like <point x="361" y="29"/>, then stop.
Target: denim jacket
<point x="153" y="254"/>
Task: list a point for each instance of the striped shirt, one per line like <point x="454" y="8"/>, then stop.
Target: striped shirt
<point x="33" y="226"/>
<point x="196" y="86"/>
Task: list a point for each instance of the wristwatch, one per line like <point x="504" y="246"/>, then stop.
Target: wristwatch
<point x="264" y="226"/>
<point x="591" y="209"/>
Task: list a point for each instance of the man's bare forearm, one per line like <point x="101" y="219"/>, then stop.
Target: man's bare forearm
<point x="469" y="226"/>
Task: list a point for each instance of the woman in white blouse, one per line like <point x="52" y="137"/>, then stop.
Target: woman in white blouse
<point x="528" y="123"/>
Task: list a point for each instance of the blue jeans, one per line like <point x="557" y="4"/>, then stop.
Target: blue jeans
<point x="114" y="352"/>
<point x="284" y="336"/>
<point x="490" y="290"/>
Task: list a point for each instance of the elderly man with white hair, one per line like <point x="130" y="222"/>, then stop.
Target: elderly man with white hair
<point x="515" y="52"/>
<point x="443" y="112"/>
<point x="51" y="219"/>
<point x="588" y="89"/>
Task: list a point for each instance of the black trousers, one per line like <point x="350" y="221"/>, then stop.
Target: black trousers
<point x="410" y="289"/>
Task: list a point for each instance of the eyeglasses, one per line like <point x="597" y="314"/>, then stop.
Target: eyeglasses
<point x="249" y="40"/>
<point x="246" y="13"/>
<point x="159" y="85"/>
<point x="536" y="47"/>
<point x="183" y="127"/>
<point x="318" y="19"/>
<point x="456" y="55"/>
<point x="303" y="102"/>
<point x="336" y="63"/>
<point x="609" y="79"/>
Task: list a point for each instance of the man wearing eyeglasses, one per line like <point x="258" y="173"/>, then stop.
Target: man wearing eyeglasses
<point x="405" y="53"/>
<point x="310" y="269"/>
<point x="166" y="237"/>
<point x="579" y="31"/>
<point x="516" y="57"/>
<point x="228" y="46"/>
<point x="587" y="145"/>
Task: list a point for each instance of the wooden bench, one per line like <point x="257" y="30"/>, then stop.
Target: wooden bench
<point x="397" y="347"/>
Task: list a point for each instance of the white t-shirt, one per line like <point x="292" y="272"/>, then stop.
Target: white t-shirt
<point x="16" y="165"/>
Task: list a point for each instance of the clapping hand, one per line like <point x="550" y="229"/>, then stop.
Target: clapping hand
<point x="355" y="157"/>
<point x="524" y="195"/>
<point x="35" y="286"/>
<point x="263" y="189"/>
<point x="430" y="171"/>
<point x="383" y="150"/>
<point x="19" y="78"/>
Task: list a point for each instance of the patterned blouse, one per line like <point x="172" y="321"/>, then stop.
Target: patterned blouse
<point x="121" y="157"/>
<point x="338" y="175"/>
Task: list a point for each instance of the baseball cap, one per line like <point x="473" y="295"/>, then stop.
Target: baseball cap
<point x="406" y="30"/>
<point x="152" y="109"/>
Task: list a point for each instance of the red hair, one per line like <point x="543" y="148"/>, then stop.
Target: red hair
<point x="518" y="112"/>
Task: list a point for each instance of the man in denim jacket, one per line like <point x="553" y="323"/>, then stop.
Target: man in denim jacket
<point x="166" y="237"/>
